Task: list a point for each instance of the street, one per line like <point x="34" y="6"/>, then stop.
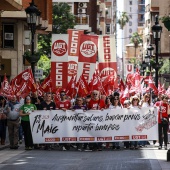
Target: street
<point x="147" y="158"/>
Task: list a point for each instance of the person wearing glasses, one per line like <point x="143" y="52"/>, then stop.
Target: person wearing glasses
<point x="115" y="104"/>
<point x="63" y="104"/>
<point x="134" y="104"/>
<point x="163" y="120"/>
<point x="96" y="103"/>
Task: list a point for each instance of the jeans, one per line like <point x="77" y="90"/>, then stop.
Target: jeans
<point x="20" y="132"/>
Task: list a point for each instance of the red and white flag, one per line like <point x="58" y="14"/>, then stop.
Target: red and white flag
<point x="46" y="85"/>
<point x="23" y="83"/>
<point x="73" y="51"/>
<point x="59" y="60"/>
<point x="87" y="56"/>
<point x="83" y="88"/>
<point x="71" y="88"/>
<point x="151" y="85"/>
<point x="168" y="92"/>
<point x="6" y="89"/>
<point x="107" y="57"/>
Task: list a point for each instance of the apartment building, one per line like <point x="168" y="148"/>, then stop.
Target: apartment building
<point x="160" y="8"/>
<point x="15" y="34"/>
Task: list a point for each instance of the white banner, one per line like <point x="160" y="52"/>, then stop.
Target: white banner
<point x="57" y="126"/>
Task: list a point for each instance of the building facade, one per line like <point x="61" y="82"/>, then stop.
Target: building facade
<point x="15" y="37"/>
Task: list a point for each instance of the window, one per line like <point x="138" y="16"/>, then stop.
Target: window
<point x="130" y="23"/>
<point x="130" y="9"/>
<point x="130" y="30"/>
<point x="8" y="36"/>
<point x="130" y="2"/>
<point x="130" y="16"/>
<point x="107" y="28"/>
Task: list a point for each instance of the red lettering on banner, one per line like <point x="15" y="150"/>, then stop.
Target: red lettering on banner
<point x="129" y="68"/>
<point x="86" y="70"/>
<point x="139" y="136"/>
<point x="86" y="139"/>
<point x="121" y="138"/>
<point x="74" y="42"/>
<point x="107" y="51"/>
<point x="72" y="68"/>
<point x="69" y="139"/>
<point x="52" y="139"/>
<point x="59" y="76"/>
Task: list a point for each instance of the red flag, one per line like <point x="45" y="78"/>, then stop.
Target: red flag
<point x="40" y="91"/>
<point x="83" y="88"/>
<point x="121" y="85"/>
<point x="152" y="85"/>
<point x="136" y="83"/>
<point x="71" y="87"/>
<point x="124" y="95"/>
<point x="47" y="84"/>
<point x="161" y="88"/>
<point x="96" y="83"/>
<point x="23" y="83"/>
<point x="6" y="89"/>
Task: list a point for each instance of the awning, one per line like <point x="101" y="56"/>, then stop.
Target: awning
<point x="154" y="9"/>
<point x="10" y="5"/>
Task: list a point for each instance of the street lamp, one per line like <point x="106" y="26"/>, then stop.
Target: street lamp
<point x="33" y="14"/>
<point x="156" y="29"/>
<point x="150" y="50"/>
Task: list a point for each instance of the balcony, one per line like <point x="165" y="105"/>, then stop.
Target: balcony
<point x="141" y="2"/>
<point x="82" y="22"/>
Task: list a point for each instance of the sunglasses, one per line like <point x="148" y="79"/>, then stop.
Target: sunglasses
<point x="116" y="99"/>
<point x="135" y="99"/>
<point x="147" y="97"/>
<point x="62" y="94"/>
<point x="95" y="94"/>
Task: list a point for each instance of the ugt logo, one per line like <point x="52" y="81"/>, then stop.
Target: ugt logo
<point x="59" y="48"/>
<point x="88" y="48"/>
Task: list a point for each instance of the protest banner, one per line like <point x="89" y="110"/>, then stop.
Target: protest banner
<point x="57" y="126"/>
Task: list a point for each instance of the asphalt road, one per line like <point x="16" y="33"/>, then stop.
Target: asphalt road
<point x="149" y="158"/>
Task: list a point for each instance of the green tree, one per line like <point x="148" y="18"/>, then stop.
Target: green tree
<point x="136" y="39"/>
<point x="62" y="18"/>
<point x="165" y="68"/>
<point x="45" y="64"/>
<point x="44" y="44"/>
<point x="123" y="20"/>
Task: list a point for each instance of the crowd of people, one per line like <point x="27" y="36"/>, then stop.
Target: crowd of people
<point x="14" y="115"/>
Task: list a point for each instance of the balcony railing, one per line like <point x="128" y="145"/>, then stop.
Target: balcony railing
<point x="82" y="20"/>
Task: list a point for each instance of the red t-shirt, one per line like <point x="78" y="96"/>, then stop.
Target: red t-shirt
<point x="164" y="109"/>
<point x="63" y="104"/>
<point x="96" y="105"/>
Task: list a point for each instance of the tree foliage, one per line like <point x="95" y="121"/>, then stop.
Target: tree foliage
<point x="44" y="44"/>
<point x="136" y="39"/>
<point x="62" y="18"/>
<point x="45" y="64"/>
<point x="123" y="20"/>
<point x="166" y="67"/>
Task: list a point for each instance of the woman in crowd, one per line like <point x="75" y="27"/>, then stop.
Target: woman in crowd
<point x="163" y="120"/>
<point x="25" y="111"/>
<point x="134" y="104"/>
<point x="115" y="104"/>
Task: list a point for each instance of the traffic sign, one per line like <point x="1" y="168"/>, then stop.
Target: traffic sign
<point x="38" y="73"/>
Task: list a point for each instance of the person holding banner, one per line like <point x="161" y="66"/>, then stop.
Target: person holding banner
<point x="163" y="120"/>
<point x="115" y="104"/>
<point x="96" y="103"/>
<point x="63" y="104"/>
<point x="134" y="104"/>
<point x="25" y="111"/>
<point x="47" y="104"/>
